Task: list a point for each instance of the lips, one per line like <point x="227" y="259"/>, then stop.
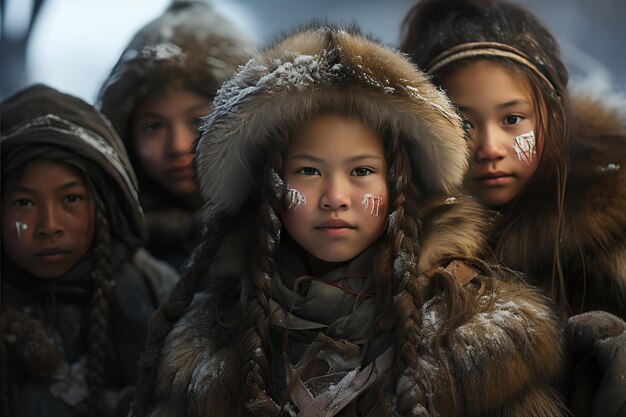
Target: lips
<point x="335" y="227"/>
<point x="52" y="254"/>
<point x="494" y="178"/>
<point x="334" y="224"/>
<point x="182" y="171"/>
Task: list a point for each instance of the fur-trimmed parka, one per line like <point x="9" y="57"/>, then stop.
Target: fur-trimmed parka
<point x="216" y="347"/>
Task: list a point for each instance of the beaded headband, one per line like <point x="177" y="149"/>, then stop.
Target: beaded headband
<point x="475" y="49"/>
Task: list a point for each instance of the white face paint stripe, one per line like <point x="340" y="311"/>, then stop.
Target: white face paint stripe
<point x="294" y="198"/>
<point x="372" y="203"/>
<point x="525" y="148"/>
<point x="20" y="227"/>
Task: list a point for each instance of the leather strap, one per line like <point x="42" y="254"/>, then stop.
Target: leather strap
<point x="333" y="401"/>
<point x="462" y="272"/>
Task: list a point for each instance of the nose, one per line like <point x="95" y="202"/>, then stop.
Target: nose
<point x="335" y="195"/>
<point x="490" y="144"/>
<point x="181" y="139"/>
<point x="50" y="222"/>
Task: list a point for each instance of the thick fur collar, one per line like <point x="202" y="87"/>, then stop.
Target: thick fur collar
<point x="305" y="73"/>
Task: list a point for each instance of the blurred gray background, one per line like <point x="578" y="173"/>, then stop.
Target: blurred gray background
<point x="72" y="44"/>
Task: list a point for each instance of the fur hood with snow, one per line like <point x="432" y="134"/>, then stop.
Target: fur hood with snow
<point x="500" y="361"/>
<point x="190" y="44"/>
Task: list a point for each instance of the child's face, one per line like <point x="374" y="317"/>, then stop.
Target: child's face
<point x="337" y="199"/>
<point x="47" y="219"/>
<point x="164" y="130"/>
<point x="499" y="117"/>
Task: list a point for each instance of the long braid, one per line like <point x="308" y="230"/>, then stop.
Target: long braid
<point x="408" y="295"/>
<point x="169" y="312"/>
<point x="256" y="342"/>
<point x="98" y="329"/>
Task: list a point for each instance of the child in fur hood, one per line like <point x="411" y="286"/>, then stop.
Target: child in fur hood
<point x="77" y="288"/>
<point x="549" y="162"/>
<point x="338" y="271"/>
<point x="162" y="84"/>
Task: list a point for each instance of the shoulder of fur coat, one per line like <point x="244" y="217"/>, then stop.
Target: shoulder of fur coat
<point x="518" y="329"/>
<point x="594" y="236"/>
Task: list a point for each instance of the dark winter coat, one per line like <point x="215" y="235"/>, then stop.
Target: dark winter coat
<point x="45" y="323"/>
<point x="191" y="46"/>
<point x="500" y="361"/>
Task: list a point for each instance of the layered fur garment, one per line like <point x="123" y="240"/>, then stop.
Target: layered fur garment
<point x="593" y="236"/>
<point x="499" y="361"/>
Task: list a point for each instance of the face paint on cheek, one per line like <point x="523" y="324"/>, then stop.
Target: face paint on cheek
<point x="524" y="147"/>
<point x="294" y="198"/>
<point x="19" y="228"/>
<point x="372" y="203"/>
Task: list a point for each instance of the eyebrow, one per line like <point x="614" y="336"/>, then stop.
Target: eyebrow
<point x="500" y="106"/>
<point x="355" y="158"/>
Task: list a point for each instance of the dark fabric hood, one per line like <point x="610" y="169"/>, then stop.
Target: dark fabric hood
<point x="40" y="116"/>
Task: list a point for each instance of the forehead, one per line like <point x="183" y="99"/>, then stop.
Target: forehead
<point x="171" y="99"/>
<point x="335" y="134"/>
<point x="44" y="173"/>
<point x="486" y="79"/>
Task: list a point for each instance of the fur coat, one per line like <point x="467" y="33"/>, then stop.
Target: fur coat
<point x="500" y="360"/>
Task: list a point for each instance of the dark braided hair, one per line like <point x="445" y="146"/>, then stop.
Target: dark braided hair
<point x="256" y="343"/>
<point x="99" y="318"/>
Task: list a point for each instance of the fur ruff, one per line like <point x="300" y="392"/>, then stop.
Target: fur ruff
<point x="287" y="84"/>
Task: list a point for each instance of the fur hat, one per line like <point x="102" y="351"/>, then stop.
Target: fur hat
<point x="319" y="68"/>
<point x="189" y="44"/>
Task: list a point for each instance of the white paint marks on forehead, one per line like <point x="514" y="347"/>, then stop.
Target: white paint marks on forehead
<point x="19" y="228"/>
<point x="294" y="198"/>
<point x="372" y="203"/>
<point x="525" y="148"/>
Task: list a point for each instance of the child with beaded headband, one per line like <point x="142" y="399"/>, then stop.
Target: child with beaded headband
<point x="77" y="288"/>
<point x="544" y="158"/>
<point x="550" y="162"/>
<point x="338" y="273"/>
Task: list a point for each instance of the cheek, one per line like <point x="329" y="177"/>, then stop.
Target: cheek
<point x="374" y="204"/>
<point x="149" y="151"/>
<point x="16" y="235"/>
<point x="82" y="226"/>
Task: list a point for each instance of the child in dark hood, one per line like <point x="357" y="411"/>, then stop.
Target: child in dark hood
<point x="155" y="96"/>
<point x="549" y="162"/>
<point x="77" y="288"/>
<point x="339" y="270"/>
